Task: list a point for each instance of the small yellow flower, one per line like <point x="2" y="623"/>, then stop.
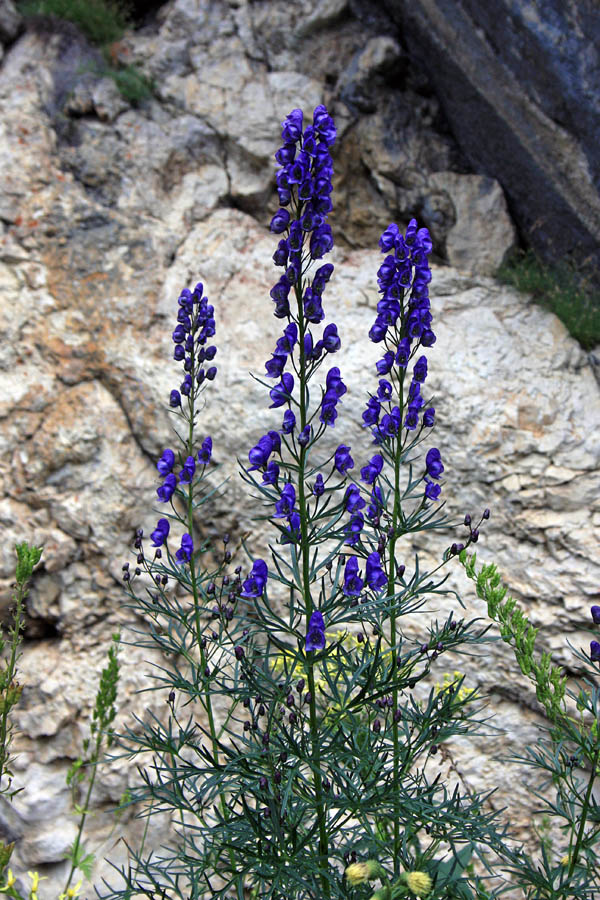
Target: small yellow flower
<point x="10" y="880"/>
<point x="565" y="860"/>
<point x="35" y="880"/>
<point x="419" y="883"/>
<point x="359" y="873"/>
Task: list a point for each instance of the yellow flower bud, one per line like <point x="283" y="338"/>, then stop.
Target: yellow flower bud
<point x="419" y="883"/>
<point x="565" y="860"/>
<point x="35" y="880"/>
<point x="10" y="880"/>
<point x="359" y="873"/>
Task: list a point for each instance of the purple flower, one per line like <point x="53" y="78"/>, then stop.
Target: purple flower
<point x="187" y="473"/>
<point x="292" y="127"/>
<point x="354" y="528"/>
<point x="205" y="451"/>
<point x="280" y="221"/>
<point x="595" y="651"/>
<point x="428" y="417"/>
<point x="315" y="636"/>
<point x="166" y="462"/>
<point x="184" y="554"/>
<point x="331" y="340"/>
<point x="371" y="413"/>
<point x="376" y="504"/>
<point x="353" y="584"/>
<point x="280" y="394"/>
<point x="370" y="472"/>
<point x="385" y="364"/>
<point x="403" y="353"/>
<point x="167" y="488"/>
<point x="259" y="455"/>
<point x="432" y="491"/>
<point x="254" y="585"/>
<point x="319" y="487"/>
<point x="343" y="460"/>
<point x="595" y="611"/>
<point x="160" y="533"/>
<point x="305" y="435"/>
<point x="412" y="418"/>
<point x="174" y="399"/>
<point x="420" y="369"/>
<point x="384" y="391"/>
<point x="271" y="474"/>
<point x="352" y="499"/>
<point x="321" y="241"/>
<point x="334" y="383"/>
<point x="433" y="461"/>
<point x="376" y="577"/>
<point x="275" y="365"/>
<point x="292" y="534"/>
<point x="285" y="505"/>
<point x="289" y="422"/>
<point x="313" y="310"/>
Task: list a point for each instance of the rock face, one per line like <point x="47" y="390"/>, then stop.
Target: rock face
<point x="518" y="82"/>
<point x="107" y="212"/>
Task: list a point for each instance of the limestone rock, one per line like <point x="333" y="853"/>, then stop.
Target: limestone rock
<point x="483" y="232"/>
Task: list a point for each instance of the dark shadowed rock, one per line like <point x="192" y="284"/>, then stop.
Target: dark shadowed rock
<point x="519" y="84"/>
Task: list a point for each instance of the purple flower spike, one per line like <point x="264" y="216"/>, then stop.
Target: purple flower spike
<point x="315" y="636"/>
<point x="595" y="611"/>
<point x="160" y="533"/>
<point x="595" y="651"/>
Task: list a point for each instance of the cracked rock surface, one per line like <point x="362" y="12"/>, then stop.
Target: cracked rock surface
<point x="107" y="212"/>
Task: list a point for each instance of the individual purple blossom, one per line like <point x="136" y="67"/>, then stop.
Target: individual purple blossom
<point x="166" y="462"/>
<point x="375" y="576"/>
<point x="371" y="414"/>
<point x="331" y="339"/>
<point x="254" y="585"/>
<point x="184" y="554"/>
<point x="280" y="394"/>
<point x="187" y="473"/>
<point x="376" y="504"/>
<point x="343" y="460"/>
<point x="313" y="309"/>
<point x="411" y="419"/>
<point x="384" y="391"/>
<point x="420" y="369"/>
<point x="433" y="462"/>
<point x="334" y="383"/>
<point x="319" y="486"/>
<point x="373" y="468"/>
<point x="259" y="455"/>
<point x="280" y="221"/>
<point x="321" y="241"/>
<point x="428" y="417"/>
<point x="432" y="490"/>
<point x="354" y="528"/>
<point x="305" y="435"/>
<point x="289" y="422"/>
<point x="174" y="399"/>
<point x="385" y="364"/>
<point x="167" y="488"/>
<point x="292" y="127"/>
<point x="595" y="611"/>
<point x="595" y="651"/>
<point x="353" y="584"/>
<point x="271" y="473"/>
<point x="328" y="413"/>
<point x="315" y="635"/>
<point x="205" y="451"/>
<point x="160" y="533"/>
<point x="276" y="365"/>
<point x="285" y="505"/>
<point x="353" y="500"/>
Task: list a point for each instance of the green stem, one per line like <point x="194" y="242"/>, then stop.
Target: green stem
<point x="391" y="590"/>
<point x="93" y="762"/>
<point x="586" y="805"/>
<point x="305" y="553"/>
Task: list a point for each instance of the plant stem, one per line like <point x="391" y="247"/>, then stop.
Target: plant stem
<point x="584" y="812"/>
<point x="8" y="676"/>
<point x="305" y="552"/>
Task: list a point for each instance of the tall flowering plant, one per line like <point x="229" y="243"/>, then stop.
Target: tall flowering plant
<point x="302" y="723"/>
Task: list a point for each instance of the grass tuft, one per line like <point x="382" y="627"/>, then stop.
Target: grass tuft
<point x="103" y="22"/>
<point x="559" y="288"/>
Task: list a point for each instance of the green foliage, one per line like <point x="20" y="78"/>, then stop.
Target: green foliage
<point x="133" y="85"/>
<point x="102" y="21"/>
<point x="559" y="288"/>
<point x="10" y="690"/>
